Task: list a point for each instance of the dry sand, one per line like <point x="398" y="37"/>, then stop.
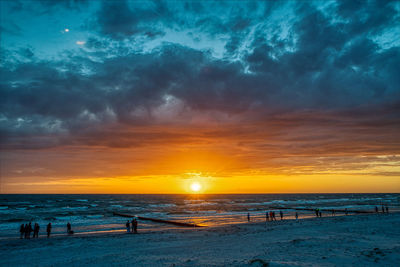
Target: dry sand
<point x="362" y="240"/>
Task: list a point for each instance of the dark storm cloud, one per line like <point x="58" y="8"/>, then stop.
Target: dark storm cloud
<point x="44" y="7"/>
<point x="122" y="19"/>
<point x="329" y="63"/>
<point x="368" y="17"/>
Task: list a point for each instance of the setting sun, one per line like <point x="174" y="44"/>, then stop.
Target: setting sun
<point x="195" y="187"/>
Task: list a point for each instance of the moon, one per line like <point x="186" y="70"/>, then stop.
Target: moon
<point x="196" y="187"/>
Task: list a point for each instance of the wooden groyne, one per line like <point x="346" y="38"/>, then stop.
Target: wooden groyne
<point x="326" y="210"/>
<point x="158" y="220"/>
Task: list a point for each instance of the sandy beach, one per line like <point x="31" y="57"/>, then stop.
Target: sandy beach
<point x="361" y="240"/>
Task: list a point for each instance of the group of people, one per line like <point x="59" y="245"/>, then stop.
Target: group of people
<point x="270" y="216"/>
<point x="384" y="209"/>
<point x="318" y="212"/>
<point x="25" y="230"/>
<point x="132" y="225"/>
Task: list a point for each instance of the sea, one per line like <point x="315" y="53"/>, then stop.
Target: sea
<point x="93" y="214"/>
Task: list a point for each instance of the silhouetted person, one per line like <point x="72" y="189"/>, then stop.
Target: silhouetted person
<point x="128" y="226"/>
<point x="29" y="230"/>
<point x="316" y="212"/>
<point x="333" y="212"/>
<point x="297" y="216"/>
<point x="36" y="229"/>
<point x="387" y="209"/>
<point x="48" y="230"/>
<point x="69" y="229"/>
<point x="273" y="215"/>
<point x="134" y="226"/>
<point x="383" y="209"/>
<point x="248" y="216"/>
<point x="320" y="214"/>
<point x="281" y="214"/>
<point x="376" y="209"/>
<point x="26" y="230"/>
<point x="266" y="216"/>
<point x="345" y="211"/>
<point x="22" y="231"/>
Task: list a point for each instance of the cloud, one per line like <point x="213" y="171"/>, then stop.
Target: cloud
<point x="311" y="90"/>
<point x="122" y="19"/>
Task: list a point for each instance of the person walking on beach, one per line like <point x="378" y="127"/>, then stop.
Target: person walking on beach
<point x="29" y="230"/>
<point x="22" y="231"/>
<point x="266" y="216"/>
<point x="134" y="226"/>
<point x="26" y="231"/>
<point x="297" y="216"/>
<point x="320" y="214"/>
<point x="333" y="212"/>
<point x="248" y="216"/>
<point x="376" y="209"/>
<point x="48" y="229"/>
<point x="128" y="226"/>
<point x="387" y="209"/>
<point x="69" y="229"/>
<point x="273" y="215"/>
<point x="383" y="209"/>
<point x="317" y="212"/>
<point x="345" y="211"/>
<point x="36" y="229"/>
<point x="281" y="214"/>
<point x="37" y="232"/>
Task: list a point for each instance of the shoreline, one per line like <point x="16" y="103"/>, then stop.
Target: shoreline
<point x="122" y="231"/>
<point x="361" y="240"/>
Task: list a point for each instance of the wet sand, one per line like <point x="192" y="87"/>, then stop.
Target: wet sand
<point x="361" y="240"/>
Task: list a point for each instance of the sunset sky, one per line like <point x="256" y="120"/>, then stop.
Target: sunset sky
<point x="238" y="96"/>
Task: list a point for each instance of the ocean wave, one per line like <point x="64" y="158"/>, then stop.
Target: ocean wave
<point x="162" y="205"/>
<point x="74" y="208"/>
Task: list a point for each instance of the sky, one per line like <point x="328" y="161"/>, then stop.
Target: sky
<point x="238" y="96"/>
